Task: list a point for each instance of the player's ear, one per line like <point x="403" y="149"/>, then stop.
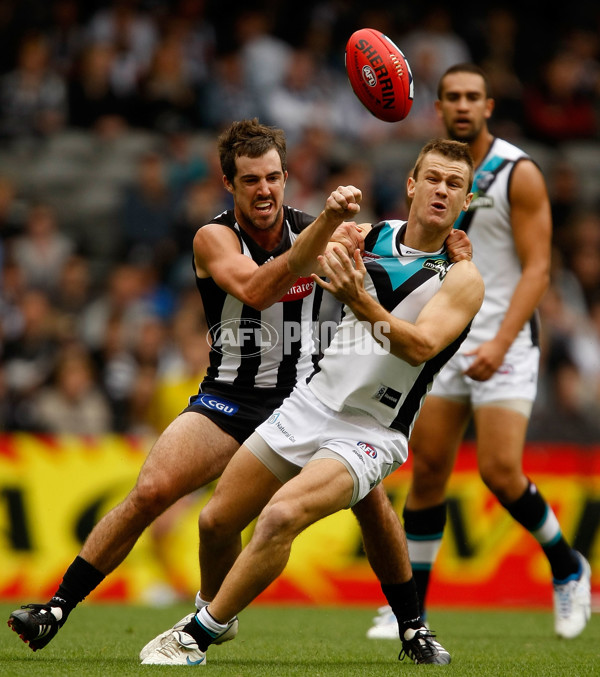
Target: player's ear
<point x="410" y="187"/>
<point x="489" y="108"/>
<point x="467" y="202"/>
<point x="228" y="185"/>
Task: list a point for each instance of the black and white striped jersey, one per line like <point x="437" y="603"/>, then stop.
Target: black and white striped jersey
<point x="271" y="348"/>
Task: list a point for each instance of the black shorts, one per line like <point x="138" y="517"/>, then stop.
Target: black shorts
<point x="237" y="411"/>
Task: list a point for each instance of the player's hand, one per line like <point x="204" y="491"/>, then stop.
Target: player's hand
<point x="459" y="246"/>
<point x="349" y="236"/>
<point x="345" y="275"/>
<point x="344" y="202"/>
<point x="488" y="359"/>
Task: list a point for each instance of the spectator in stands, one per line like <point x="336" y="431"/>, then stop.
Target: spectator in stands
<point x="94" y="103"/>
<point x="66" y="35"/>
<point x="560" y="108"/>
<point x="72" y="402"/>
<point x="191" y="27"/>
<point x="134" y="36"/>
<point x="230" y="96"/>
<point x="303" y="98"/>
<point x="265" y="57"/>
<point x="168" y="95"/>
<point x="29" y="353"/>
<point x="148" y="211"/>
<point x="33" y="96"/>
<point x="42" y="250"/>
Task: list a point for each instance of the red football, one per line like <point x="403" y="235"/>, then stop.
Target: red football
<point x="379" y="74"/>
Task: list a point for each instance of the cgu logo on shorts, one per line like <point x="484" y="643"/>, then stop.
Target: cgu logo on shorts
<point x="217" y="404"/>
<point x="246" y="337"/>
<point x="367" y="448"/>
<point x="300" y="289"/>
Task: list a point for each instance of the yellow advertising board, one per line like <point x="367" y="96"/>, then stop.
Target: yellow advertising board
<point x="54" y="489"/>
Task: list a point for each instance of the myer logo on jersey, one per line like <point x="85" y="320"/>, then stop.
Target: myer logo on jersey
<point x="367" y="448"/>
<point x="439" y="265"/>
<point x="217" y="404"/>
<point x="301" y="288"/>
<point x="247" y="337"/>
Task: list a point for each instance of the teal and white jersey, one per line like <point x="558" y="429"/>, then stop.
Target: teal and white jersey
<point x="356" y="371"/>
<point x="488" y="225"/>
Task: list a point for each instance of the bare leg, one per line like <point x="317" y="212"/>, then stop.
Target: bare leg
<point x="236" y="502"/>
<point x="190" y="453"/>
<point x="500" y="440"/>
<point x="383" y="537"/>
<point x="434" y="443"/>
<point x="323" y="487"/>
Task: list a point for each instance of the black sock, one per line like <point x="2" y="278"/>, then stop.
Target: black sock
<point x="199" y="633"/>
<point x="403" y="599"/>
<point x="424" y="527"/>
<point x="532" y="512"/>
<point x="77" y="583"/>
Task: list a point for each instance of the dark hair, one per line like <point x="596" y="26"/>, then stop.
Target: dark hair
<point x="251" y="139"/>
<point x="466" y="68"/>
<point x="454" y="150"/>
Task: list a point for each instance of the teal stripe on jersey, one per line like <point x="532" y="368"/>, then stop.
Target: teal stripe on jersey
<point x="399" y="272"/>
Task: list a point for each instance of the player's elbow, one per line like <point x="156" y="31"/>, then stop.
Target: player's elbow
<point x="419" y="352"/>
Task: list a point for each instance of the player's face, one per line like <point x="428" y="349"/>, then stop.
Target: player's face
<point x="257" y="190"/>
<point x="463" y="106"/>
<point x="440" y="192"/>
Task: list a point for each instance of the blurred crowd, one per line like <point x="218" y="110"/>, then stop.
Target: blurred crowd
<point x="109" y="113"/>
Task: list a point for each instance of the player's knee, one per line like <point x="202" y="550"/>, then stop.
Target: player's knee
<point x="278" y="520"/>
<point x="152" y="496"/>
<point x="213" y="524"/>
<point x="430" y="471"/>
<point x="500" y="478"/>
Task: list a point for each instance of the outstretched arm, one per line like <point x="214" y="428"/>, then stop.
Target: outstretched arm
<point x="217" y="253"/>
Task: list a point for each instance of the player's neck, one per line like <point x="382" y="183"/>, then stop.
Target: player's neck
<point x="480" y="146"/>
<point x="424" y="240"/>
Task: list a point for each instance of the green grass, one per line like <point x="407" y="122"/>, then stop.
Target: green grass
<point x="104" y="640"/>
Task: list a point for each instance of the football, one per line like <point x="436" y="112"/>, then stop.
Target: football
<point x="379" y="75"/>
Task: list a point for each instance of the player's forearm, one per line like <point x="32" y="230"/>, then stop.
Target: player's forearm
<point x="268" y="284"/>
<point x="401" y="338"/>
<point x="312" y="241"/>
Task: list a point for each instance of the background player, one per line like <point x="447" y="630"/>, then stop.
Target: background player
<point x="494" y="376"/>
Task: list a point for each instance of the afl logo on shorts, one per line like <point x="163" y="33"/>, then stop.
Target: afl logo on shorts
<point x="217" y="404"/>
<point x="367" y="448"/>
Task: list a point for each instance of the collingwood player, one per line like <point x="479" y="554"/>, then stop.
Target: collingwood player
<point x="346" y="426"/>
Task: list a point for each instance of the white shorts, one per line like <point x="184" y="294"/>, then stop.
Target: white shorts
<point x="514" y="382"/>
<point x="304" y="428"/>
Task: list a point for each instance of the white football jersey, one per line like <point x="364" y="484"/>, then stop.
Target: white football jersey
<point x="488" y="225"/>
<point x="356" y="371"/>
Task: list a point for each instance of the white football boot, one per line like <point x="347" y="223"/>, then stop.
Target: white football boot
<point x="179" y="649"/>
<point x="385" y="625"/>
<point x="573" y="602"/>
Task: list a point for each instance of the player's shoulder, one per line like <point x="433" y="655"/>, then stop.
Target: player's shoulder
<point x="296" y="218"/>
<point x="464" y="272"/>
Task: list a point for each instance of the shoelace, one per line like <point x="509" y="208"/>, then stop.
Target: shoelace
<point x="172" y="648"/>
<point x="427" y="649"/>
<point x="565" y="598"/>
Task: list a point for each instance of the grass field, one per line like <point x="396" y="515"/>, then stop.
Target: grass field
<point x="104" y="640"/>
